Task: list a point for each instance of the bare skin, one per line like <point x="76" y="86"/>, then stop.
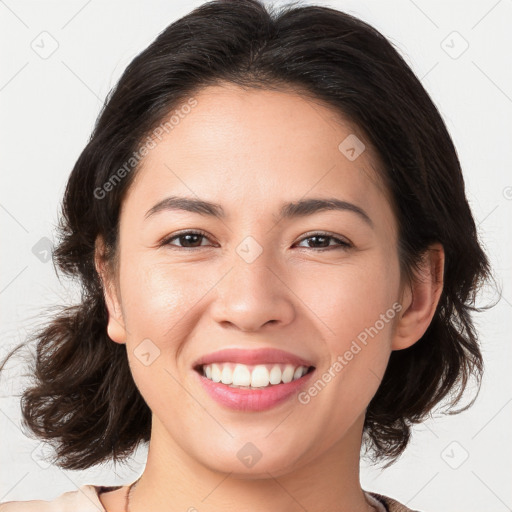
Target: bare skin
<point x="250" y="151"/>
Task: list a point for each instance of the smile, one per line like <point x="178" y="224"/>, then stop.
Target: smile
<point x="246" y="398"/>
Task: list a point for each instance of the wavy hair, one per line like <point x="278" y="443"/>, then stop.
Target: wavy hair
<point x="83" y="399"/>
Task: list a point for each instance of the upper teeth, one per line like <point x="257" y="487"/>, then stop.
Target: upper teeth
<point x="258" y="376"/>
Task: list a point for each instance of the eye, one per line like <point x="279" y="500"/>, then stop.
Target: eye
<point x="188" y="238"/>
<point x="323" y="240"/>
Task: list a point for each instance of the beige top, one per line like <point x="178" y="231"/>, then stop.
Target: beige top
<point x="86" y="499"/>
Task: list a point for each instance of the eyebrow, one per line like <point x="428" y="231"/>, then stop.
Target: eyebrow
<point x="301" y="208"/>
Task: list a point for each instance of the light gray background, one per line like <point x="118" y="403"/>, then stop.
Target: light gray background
<point x="49" y="104"/>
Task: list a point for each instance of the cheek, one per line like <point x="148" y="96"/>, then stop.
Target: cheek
<point x="354" y="302"/>
<point x="160" y="300"/>
<point x="160" y="308"/>
<point x="351" y="296"/>
<point x="159" y="297"/>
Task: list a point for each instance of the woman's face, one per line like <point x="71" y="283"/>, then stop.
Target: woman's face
<point x="257" y="280"/>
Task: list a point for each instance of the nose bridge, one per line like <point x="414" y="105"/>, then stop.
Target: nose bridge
<point x="253" y="292"/>
<point x="253" y="272"/>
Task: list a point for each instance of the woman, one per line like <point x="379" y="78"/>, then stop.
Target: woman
<point x="278" y="264"/>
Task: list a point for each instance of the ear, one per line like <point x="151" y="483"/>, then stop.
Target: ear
<point x="420" y="299"/>
<point x="115" y="327"/>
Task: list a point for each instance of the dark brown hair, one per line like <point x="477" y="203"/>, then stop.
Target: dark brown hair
<point x="83" y="399"/>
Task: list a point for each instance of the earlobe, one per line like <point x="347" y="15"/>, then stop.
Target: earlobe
<point x="420" y="299"/>
<point x="115" y="326"/>
<point x="116" y="331"/>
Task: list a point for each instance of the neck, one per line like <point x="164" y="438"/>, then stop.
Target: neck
<point x="173" y="480"/>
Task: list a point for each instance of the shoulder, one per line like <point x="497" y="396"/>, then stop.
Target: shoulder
<point x="390" y="504"/>
<point x="84" y="499"/>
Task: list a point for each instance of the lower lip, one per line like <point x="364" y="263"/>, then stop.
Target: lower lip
<point x="253" y="399"/>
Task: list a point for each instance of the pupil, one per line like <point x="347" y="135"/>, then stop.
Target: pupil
<point x="324" y="238"/>
<point x="187" y="237"/>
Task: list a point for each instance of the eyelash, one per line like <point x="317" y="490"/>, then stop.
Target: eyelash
<point x="342" y="244"/>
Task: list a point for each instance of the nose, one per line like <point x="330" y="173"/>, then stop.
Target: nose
<point x="253" y="296"/>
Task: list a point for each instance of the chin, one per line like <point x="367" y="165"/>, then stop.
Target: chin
<point x="250" y="463"/>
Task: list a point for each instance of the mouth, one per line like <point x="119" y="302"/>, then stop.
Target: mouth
<point x="242" y="397"/>
<point x="244" y="380"/>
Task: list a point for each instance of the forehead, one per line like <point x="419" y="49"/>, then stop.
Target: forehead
<point x="259" y="145"/>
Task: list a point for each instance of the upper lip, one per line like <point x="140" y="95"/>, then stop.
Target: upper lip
<point x="252" y="357"/>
